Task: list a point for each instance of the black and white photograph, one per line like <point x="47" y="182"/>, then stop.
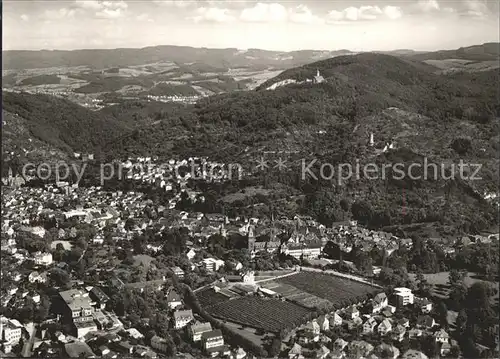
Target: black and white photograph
<point x="247" y="179"/>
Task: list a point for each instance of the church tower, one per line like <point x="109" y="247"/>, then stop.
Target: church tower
<point x="251" y="239"/>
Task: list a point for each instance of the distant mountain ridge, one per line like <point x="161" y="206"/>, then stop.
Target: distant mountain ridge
<point x="105" y="58"/>
<point x="230" y="57"/>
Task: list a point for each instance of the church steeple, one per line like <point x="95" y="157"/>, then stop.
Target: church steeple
<point x="251" y="239"/>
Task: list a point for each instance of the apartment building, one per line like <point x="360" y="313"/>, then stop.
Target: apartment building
<point x="403" y="296"/>
<point x="10" y="333"/>
<point x="78" y="311"/>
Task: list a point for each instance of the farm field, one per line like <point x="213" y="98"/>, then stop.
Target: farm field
<point x="268" y="314"/>
<point x="336" y="290"/>
<point x="207" y="297"/>
<point x="297" y="296"/>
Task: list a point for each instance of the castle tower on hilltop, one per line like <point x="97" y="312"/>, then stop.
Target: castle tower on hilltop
<point x="318" y="78"/>
<point x="372" y="140"/>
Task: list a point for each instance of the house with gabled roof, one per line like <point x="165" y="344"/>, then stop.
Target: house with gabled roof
<point x="322" y="353"/>
<point x="425" y="322"/>
<point x="369" y="325"/>
<point x="295" y="352"/>
<point x="398" y="332"/>
<point x="379" y="302"/>
<point x="335" y="320"/>
<point x="384" y="327"/>
<point x="351" y="312"/>
<point x="324" y="322"/>
<point x="441" y="336"/>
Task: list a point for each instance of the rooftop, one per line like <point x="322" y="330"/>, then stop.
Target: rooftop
<point x="76" y="299"/>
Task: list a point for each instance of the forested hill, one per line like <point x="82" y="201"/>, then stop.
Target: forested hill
<point x="442" y="118"/>
<point x="428" y="115"/>
<point x="62" y="124"/>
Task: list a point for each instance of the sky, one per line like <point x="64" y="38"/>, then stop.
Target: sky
<point x="359" y="25"/>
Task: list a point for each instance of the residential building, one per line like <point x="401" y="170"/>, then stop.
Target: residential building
<point x="190" y="254"/>
<point x="336" y="320"/>
<point x="313" y="327"/>
<point x="403" y="296"/>
<point x="295" y="352"/>
<point x="212" y="264"/>
<point x="159" y="344"/>
<point x="173" y="299"/>
<point x="425" y="322"/>
<point x="441" y="336"/>
<point x="178" y="272"/>
<point x="369" y="325"/>
<point x="351" y="312"/>
<point x="99" y="297"/>
<point x="379" y="302"/>
<point x="322" y="353"/>
<point x="212" y="340"/>
<point x="182" y="318"/>
<point x="384" y="327"/>
<point x="414" y="333"/>
<point x="398" y="332"/>
<point x="10" y="333"/>
<point x="36" y="277"/>
<point x="42" y="259"/>
<point x="424" y="305"/>
<point x="77" y="310"/>
<point x="197" y="329"/>
<point x="248" y="277"/>
<point x="324" y="322"/>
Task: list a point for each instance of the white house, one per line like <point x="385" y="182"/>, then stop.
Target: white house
<point x="212" y="340"/>
<point x="403" y="296"/>
<point x="249" y="277"/>
<point x="173" y="299"/>
<point x="197" y="329"/>
<point x="384" y="327"/>
<point x="190" y="254"/>
<point x="182" y="318"/>
<point x="212" y="264"/>
<point x="35" y="277"/>
<point x="379" y="302"/>
<point x="441" y="336"/>
<point x="43" y="259"/>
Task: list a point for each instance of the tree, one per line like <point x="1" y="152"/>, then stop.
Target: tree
<point x="423" y="285"/>
<point x="455" y="277"/>
<point x="442" y="314"/>
<point x="480" y="314"/>
<point x="275" y="347"/>
<point x="461" y="321"/>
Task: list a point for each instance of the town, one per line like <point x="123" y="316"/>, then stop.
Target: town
<point x="91" y="271"/>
